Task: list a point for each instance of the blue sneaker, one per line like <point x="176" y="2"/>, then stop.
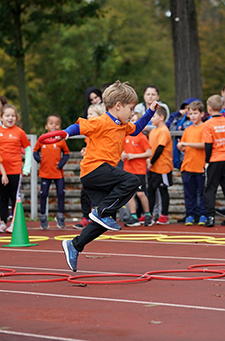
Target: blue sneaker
<point x="202" y="220"/>
<point x="107" y="222"/>
<point x="189" y="220"/>
<point x="71" y="254"/>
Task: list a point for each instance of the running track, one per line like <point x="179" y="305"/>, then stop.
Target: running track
<point x="152" y="310"/>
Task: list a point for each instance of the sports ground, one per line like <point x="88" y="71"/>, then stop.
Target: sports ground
<point x="151" y="301"/>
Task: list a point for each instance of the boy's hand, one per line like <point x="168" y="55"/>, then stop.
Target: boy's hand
<point x="60" y="138"/>
<point x="5" y="180"/>
<point x="123" y="156"/>
<point x="154" y="106"/>
<point x="83" y="151"/>
<point x="149" y="165"/>
<point x="130" y="156"/>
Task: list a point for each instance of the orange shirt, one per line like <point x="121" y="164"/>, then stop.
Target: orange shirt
<point x="50" y="157"/>
<point x="194" y="159"/>
<point x="106" y="140"/>
<point x="0" y="159"/>
<point x="11" y="141"/>
<point x="214" y="132"/>
<point x="161" y="136"/>
<point x="136" y="145"/>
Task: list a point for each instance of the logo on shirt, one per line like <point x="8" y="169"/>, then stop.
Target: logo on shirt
<point x="117" y="122"/>
<point x="12" y="137"/>
<point x="1" y="134"/>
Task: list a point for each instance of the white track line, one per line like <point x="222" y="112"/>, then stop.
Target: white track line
<point x="39" y="336"/>
<point x="106" y="299"/>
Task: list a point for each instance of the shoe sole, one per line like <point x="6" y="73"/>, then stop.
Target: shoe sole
<point x="189" y="224"/>
<point x="201" y="224"/>
<point x="60" y="227"/>
<point x="162" y="223"/>
<point x="100" y="222"/>
<point x="78" y="227"/>
<point x="130" y="225"/>
<point x="65" y="249"/>
<point x="152" y="223"/>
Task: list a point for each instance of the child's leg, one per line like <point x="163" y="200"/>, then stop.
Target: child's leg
<point x="60" y="190"/>
<point x="212" y="179"/>
<point x="190" y="192"/>
<point x="9" y="191"/>
<point x="151" y="193"/>
<point x="144" y="201"/>
<point x="200" y="185"/>
<point x="45" y="184"/>
<point x="132" y="205"/>
<point x="165" y="199"/>
<point x="110" y="188"/>
<point x="85" y="203"/>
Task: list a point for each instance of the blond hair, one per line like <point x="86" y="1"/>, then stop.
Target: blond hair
<point x="98" y="108"/>
<point x="196" y="105"/>
<point x="7" y="106"/>
<point x="119" y="92"/>
<point x="215" y="102"/>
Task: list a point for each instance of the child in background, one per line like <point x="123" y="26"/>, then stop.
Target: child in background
<point x="136" y="151"/>
<point x="214" y="138"/>
<point x="51" y="168"/>
<point x="12" y="138"/>
<point x="108" y="186"/>
<point x="193" y="164"/>
<point x="160" y="165"/>
<point x="93" y="111"/>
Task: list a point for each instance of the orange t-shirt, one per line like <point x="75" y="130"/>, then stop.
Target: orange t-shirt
<point x="136" y="145"/>
<point x="194" y="159"/>
<point x="106" y="140"/>
<point x="214" y="132"/>
<point x="11" y="141"/>
<point x="161" y="136"/>
<point x="0" y="159"/>
<point x="50" y="157"/>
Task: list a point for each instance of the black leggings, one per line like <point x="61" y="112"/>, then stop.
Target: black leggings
<point x="8" y="191"/>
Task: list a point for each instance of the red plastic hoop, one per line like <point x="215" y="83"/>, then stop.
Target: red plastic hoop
<point x="65" y="276"/>
<point x="206" y="265"/>
<point x="49" y="138"/>
<point x="4" y="269"/>
<point x="141" y="278"/>
<point x="151" y="274"/>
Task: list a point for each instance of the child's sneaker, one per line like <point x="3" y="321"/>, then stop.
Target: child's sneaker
<point x="10" y="228"/>
<point x="60" y="221"/>
<point x="71" y="254"/>
<point x="132" y="222"/>
<point x="202" y="220"/>
<point x="84" y="222"/>
<point x="44" y="222"/>
<point x="163" y="219"/>
<point x="2" y="227"/>
<point x="148" y="220"/>
<point x="189" y="221"/>
<point x="142" y="219"/>
<point x="107" y="222"/>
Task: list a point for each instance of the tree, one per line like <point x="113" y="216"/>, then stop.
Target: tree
<point x="22" y="22"/>
<point x="186" y="50"/>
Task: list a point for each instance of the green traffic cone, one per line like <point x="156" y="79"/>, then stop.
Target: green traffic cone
<point x="20" y="234"/>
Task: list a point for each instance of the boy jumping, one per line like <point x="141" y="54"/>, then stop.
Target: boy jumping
<point x="108" y="187"/>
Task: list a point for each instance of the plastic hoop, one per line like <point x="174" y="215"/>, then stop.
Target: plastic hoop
<point x="4" y="269"/>
<point x="216" y="241"/>
<point x="71" y="236"/>
<point x="187" y="239"/>
<point x="141" y="278"/>
<point x="31" y="238"/>
<point x="65" y="276"/>
<point x="206" y="265"/>
<point x="171" y="278"/>
<point x="49" y="138"/>
<point x="144" y="236"/>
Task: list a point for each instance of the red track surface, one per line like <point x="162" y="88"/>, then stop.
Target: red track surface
<point x="152" y="310"/>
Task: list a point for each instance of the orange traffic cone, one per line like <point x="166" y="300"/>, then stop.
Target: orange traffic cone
<point x="20" y="234"/>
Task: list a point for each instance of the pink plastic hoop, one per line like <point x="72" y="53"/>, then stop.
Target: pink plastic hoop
<point x="65" y="276"/>
<point x="207" y="265"/>
<point x="219" y="273"/>
<point x="48" y="138"/>
<point x="141" y="278"/>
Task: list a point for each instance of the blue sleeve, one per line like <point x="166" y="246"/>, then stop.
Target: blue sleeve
<point x="63" y="161"/>
<point x="172" y="117"/>
<point x="143" y="121"/>
<point x="37" y="156"/>
<point x="72" y="130"/>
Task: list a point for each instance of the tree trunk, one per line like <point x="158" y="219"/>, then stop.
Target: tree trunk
<point x="186" y="50"/>
<point x="24" y="107"/>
